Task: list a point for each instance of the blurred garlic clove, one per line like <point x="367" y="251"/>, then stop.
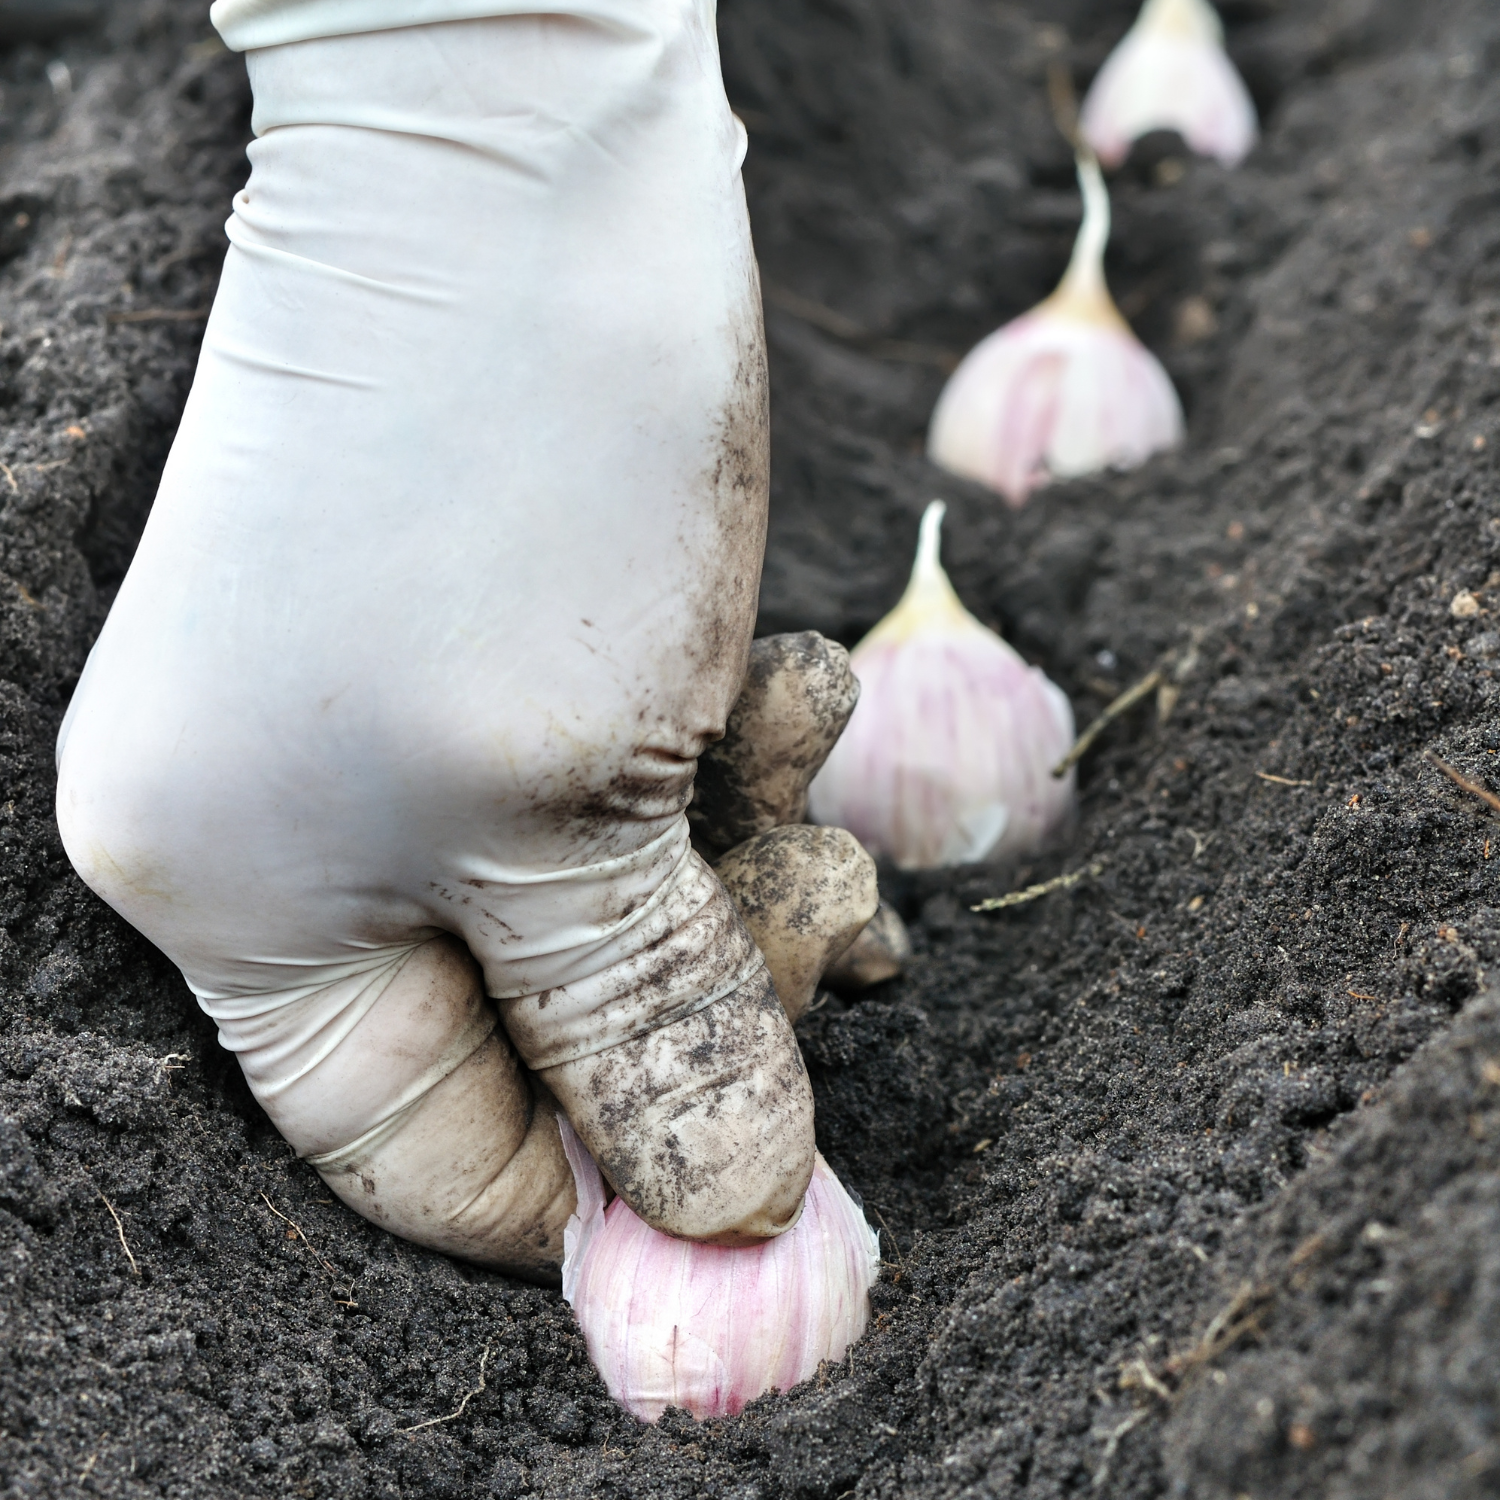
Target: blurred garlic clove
<point x="1170" y="72"/>
<point x="1063" y="390"/>
<point x="948" y="757"/>
<point x="806" y="894"/>
<point x="672" y="1323"/>
<point x="880" y="952"/>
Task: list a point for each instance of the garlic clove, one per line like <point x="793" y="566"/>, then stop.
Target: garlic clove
<point x="977" y="831"/>
<point x="1064" y="390"/>
<point x="1170" y="72"/>
<point x="948" y="757"/>
<point x="672" y="1323"/>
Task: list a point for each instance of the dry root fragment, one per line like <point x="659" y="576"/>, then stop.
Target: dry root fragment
<point x="879" y="953"/>
<point x="798" y="695"/>
<point x="806" y="894"/>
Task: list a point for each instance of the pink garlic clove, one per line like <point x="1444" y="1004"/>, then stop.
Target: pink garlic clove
<point x="1170" y="72"/>
<point x="948" y="757"/>
<point x="1064" y="390"/>
<point x="672" y="1323"/>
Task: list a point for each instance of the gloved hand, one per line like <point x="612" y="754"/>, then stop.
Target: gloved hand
<point x="450" y="579"/>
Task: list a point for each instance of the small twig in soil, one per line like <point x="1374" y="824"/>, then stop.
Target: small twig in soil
<point x="1033" y="892"/>
<point x="1112" y="1443"/>
<point x="836" y="325"/>
<point x="822" y="318"/>
<point x="1313" y="1245"/>
<point x="120" y="1230"/>
<point x="1199" y="842"/>
<point x="172" y="1063"/>
<point x="900" y="1259"/>
<point x="1122" y="705"/>
<point x="1281" y="780"/>
<point x="159" y="315"/>
<point x="1228" y="1326"/>
<point x="1461" y="781"/>
<point x="1138" y="1375"/>
<point x="1063" y="98"/>
<point x="300" y="1234"/>
<point x="458" y="1410"/>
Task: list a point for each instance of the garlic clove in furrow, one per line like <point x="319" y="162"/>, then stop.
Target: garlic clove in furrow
<point x="1064" y="390"/>
<point x="1171" y="72"/>
<point x="948" y="756"/>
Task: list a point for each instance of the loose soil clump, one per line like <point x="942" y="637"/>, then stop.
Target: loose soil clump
<point x="1187" y="1174"/>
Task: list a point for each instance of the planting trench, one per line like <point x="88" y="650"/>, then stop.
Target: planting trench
<point x="1188" y="1175"/>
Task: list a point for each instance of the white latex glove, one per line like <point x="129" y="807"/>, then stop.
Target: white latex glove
<point x="451" y="576"/>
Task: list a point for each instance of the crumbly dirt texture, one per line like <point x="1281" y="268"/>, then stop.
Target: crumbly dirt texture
<point x="1187" y="1176"/>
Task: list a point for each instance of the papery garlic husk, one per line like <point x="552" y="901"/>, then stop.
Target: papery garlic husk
<point x="1170" y="72"/>
<point x="948" y="757"/>
<point x="707" y="1328"/>
<point x="1064" y="390"/>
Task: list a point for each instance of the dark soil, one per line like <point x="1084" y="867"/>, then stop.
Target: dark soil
<point x="1190" y="1173"/>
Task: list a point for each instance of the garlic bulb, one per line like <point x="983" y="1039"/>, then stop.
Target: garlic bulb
<point x="672" y="1323"/>
<point x="949" y="755"/>
<point x="1063" y="390"/>
<point x="1170" y="72"/>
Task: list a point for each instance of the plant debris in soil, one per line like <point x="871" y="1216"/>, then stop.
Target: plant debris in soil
<point x="1186" y="1171"/>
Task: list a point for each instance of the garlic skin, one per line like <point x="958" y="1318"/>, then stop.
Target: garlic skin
<point x="1064" y="390"/>
<point x="948" y="757"/>
<point x="1170" y="72"/>
<point x="672" y="1323"/>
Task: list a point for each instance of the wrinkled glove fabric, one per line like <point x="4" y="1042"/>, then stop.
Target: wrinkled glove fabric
<point x="450" y="578"/>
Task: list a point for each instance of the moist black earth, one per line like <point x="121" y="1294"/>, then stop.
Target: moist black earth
<point x="1187" y="1175"/>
